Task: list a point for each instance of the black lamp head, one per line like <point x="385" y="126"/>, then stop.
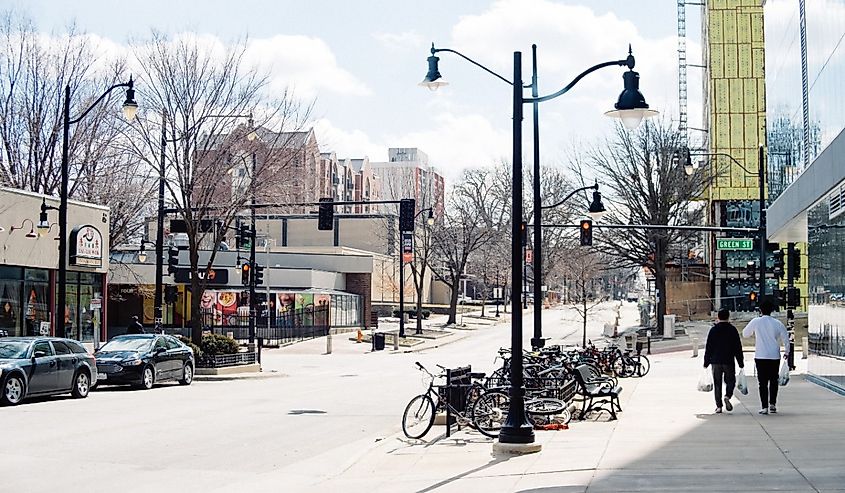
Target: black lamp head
<point x="433" y="79"/>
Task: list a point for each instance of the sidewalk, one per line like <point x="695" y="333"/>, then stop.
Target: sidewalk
<point x="667" y="439"/>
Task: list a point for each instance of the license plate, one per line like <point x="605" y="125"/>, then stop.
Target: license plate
<point x="101" y="376"/>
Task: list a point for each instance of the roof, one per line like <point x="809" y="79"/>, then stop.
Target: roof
<point x="275" y="140"/>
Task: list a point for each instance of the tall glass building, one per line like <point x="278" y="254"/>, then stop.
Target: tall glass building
<point x="805" y="74"/>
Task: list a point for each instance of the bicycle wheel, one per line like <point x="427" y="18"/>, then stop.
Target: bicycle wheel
<point x="545" y="406"/>
<point x="474" y="392"/>
<point x="418" y="417"/>
<point x="643" y="365"/>
<point x="490" y="412"/>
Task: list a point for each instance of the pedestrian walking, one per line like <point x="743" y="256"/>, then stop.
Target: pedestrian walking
<point x="135" y="327"/>
<point x="767" y="331"/>
<point x="722" y="348"/>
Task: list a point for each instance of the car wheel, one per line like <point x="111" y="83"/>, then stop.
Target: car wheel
<point x="14" y="390"/>
<point x="187" y="374"/>
<point x="81" y="385"/>
<point x="147" y="378"/>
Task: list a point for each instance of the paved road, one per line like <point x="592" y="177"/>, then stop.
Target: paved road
<point x="320" y="409"/>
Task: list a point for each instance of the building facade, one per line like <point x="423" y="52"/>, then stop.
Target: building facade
<point x="29" y="267"/>
<point x="408" y="175"/>
<point x="804" y="87"/>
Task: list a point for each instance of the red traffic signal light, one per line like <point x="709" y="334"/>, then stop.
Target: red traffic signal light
<point x="246" y="271"/>
<point x="586" y="232"/>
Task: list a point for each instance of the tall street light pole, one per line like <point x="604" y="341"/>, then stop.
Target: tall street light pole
<point x="631" y="108"/>
<point x="130" y="108"/>
<point x="160" y="227"/>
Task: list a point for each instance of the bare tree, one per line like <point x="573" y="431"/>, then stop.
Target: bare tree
<point x="647" y="186"/>
<point x="585" y="267"/>
<point x="464" y="229"/>
<point x="213" y="169"/>
<point x="35" y="70"/>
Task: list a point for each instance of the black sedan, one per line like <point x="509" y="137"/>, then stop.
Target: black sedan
<point x="143" y="360"/>
<point x="32" y="366"/>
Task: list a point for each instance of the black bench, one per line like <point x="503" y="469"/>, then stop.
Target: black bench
<point x="597" y="395"/>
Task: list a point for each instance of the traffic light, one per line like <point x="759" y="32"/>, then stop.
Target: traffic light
<point x="172" y="259"/>
<point x="170" y="294"/>
<point x="258" y="274"/>
<point x="523" y="233"/>
<point x="245" y="273"/>
<point x="586" y="232"/>
<point x="780" y="297"/>
<point x="794" y="260"/>
<point x="793" y="296"/>
<point x="243" y="237"/>
<point x="751" y="269"/>
<point x="407" y="209"/>
<point x="778" y="267"/>
<point x="325" y="220"/>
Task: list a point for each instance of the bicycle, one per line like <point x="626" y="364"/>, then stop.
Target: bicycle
<point x="491" y="411"/>
<point x="419" y="414"/>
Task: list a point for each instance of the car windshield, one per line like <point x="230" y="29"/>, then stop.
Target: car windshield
<point x="13" y="349"/>
<point x="128" y="344"/>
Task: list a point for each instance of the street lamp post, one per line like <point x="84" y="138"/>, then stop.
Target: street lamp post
<point x="631" y="108"/>
<point x="429" y="222"/>
<point x="130" y="108"/>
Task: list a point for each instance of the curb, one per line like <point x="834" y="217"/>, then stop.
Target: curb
<point x="239" y="376"/>
<point x="444" y="343"/>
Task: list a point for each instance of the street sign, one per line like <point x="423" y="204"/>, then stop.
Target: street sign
<point x="96" y="304"/>
<point x="215" y="276"/>
<point x="734" y="244"/>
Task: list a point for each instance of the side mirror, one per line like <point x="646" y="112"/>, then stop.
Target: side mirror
<point x="39" y="354"/>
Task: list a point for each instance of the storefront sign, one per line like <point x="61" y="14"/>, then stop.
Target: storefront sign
<point x="734" y="244"/>
<point x="215" y="276"/>
<point x="86" y="246"/>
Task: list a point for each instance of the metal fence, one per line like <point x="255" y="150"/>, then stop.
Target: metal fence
<point x="295" y="325"/>
<point x="223" y="360"/>
<point x="828" y="342"/>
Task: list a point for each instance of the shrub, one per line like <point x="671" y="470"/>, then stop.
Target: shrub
<point x="194" y="347"/>
<point x="214" y="344"/>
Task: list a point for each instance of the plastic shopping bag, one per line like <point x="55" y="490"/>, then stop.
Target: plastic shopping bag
<point x="705" y="383"/>
<point x="742" y="382"/>
<point x="783" y="376"/>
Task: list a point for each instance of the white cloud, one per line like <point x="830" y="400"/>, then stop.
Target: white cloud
<point x="403" y="40"/>
<point x="457" y="142"/>
<point x="353" y="143"/>
<point x="304" y="63"/>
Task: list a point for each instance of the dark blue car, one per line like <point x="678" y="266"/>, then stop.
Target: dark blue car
<point x="33" y="366"/>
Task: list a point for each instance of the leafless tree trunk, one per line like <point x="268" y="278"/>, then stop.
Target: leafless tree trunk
<point x="209" y="157"/>
<point x="645" y="183"/>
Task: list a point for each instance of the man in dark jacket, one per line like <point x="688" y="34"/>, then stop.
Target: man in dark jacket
<point x="723" y="346"/>
<point x="135" y="327"/>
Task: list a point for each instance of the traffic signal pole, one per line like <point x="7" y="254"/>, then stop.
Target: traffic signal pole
<point x="252" y="255"/>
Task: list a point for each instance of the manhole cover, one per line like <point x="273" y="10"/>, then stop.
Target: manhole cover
<point x="306" y="411"/>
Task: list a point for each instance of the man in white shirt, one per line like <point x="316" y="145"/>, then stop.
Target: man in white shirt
<point x="767" y="331"/>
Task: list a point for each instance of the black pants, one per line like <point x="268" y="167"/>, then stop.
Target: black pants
<point x="767" y="376"/>
<point x="729" y="373"/>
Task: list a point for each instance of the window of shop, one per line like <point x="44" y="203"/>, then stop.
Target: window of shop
<point x="23" y="301"/>
<point x="81" y="320"/>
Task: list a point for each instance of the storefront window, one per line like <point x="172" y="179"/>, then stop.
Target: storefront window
<point x="24" y="303"/>
<point x="80" y="320"/>
<point x="10" y="304"/>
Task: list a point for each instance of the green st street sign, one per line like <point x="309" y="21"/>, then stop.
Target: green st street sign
<point x="734" y="244"/>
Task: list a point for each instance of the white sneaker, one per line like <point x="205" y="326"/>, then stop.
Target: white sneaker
<point x="773" y="409"/>
<point x="728" y="405"/>
<point x="763" y="411"/>
<point x="718" y="410"/>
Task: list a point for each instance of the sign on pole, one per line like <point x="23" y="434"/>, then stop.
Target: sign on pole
<point x="734" y="244"/>
<point x="529" y="256"/>
<point x="407" y="247"/>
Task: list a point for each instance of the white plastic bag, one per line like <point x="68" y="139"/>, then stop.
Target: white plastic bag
<point x="705" y="383"/>
<point x="742" y="382"/>
<point x="783" y="376"/>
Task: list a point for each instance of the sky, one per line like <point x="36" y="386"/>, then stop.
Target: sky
<point x="360" y="62"/>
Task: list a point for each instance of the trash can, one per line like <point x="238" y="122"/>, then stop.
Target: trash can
<point x="378" y="341"/>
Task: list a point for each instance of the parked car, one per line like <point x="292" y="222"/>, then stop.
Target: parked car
<point x="142" y="360"/>
<point x="33" y="366"/>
